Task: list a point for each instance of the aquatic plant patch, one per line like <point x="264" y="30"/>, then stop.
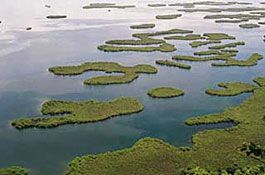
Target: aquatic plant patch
<point x="130" y="73"/>
<point x="79" y="112"/>
<point x="165" y="92"/>
<point x="231" y="89"/>
<point x="142" y="26"/>
<point x="173" y="64"/>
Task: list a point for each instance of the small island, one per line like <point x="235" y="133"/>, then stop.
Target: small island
<point x="186" y="37"/>
<point x="231" y="89"/>
<point x="235" y="44"/>
<point x="251" y="61"/>
<point x="165" y="92"/>
<point x="195" y="44"/>
<point x="173" y="16"/>
<point x="130" y="73"/>
<point x="56" y="16"/>
<point x="143" y="26"/>
<point x="249" y="26"/>
<point x="218" y="36"/>
<point x="157" y="5"/>
<point x="173" y="64"/>
<point x="79" y="112"/>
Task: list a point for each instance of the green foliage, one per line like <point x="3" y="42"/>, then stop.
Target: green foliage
<point x="235" y="44"/>
<point x="186" y="37"/>
<point x="142" y="26"/>
<point x="193" y="58"/>
<point x="212" y="149"/>
<point x="201" y="43"/>
<point x="260" y="81"/>
<point x="173" y="16"/>
<point x="143" y="39"/>
<point x="173" y="64"/>
<point x="215" y="52"/>
<point x="231" y="21"/>
<point x="218" y="36"/>
<point x="14" y="170"/>
<point x="251" y="61"/>
<point x="231" y="89"/>
<point x="165" y="92"/>
<point x="248" y="26"/>
<point x="229" y="50"/>
<point x="234" y="16"/>
<point x="79" y="112"/>
<point x="252" y="170"/>
<point x="130" y="73"/>
<point x="255" y="151"/>
<point x="165" y="47"/>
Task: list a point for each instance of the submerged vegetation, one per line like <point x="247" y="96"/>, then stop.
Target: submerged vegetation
<point x="143" y="26"/>
<point x="173" y="16"/>
<point x="14" y="170"/>
<point x="173" y="64"/>
<point x="79" y="112"/>
<point x="165" y="92"/>
<point x="212" y="150"/>
<point x="130" y="73"/>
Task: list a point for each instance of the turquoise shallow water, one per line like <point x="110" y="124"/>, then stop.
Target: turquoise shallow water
<point x="25" y="82"/>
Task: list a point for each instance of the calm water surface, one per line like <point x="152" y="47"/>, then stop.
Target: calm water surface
<point x="25" y="82"/>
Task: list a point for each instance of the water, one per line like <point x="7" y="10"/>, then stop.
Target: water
<point x="25" y="82"/>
